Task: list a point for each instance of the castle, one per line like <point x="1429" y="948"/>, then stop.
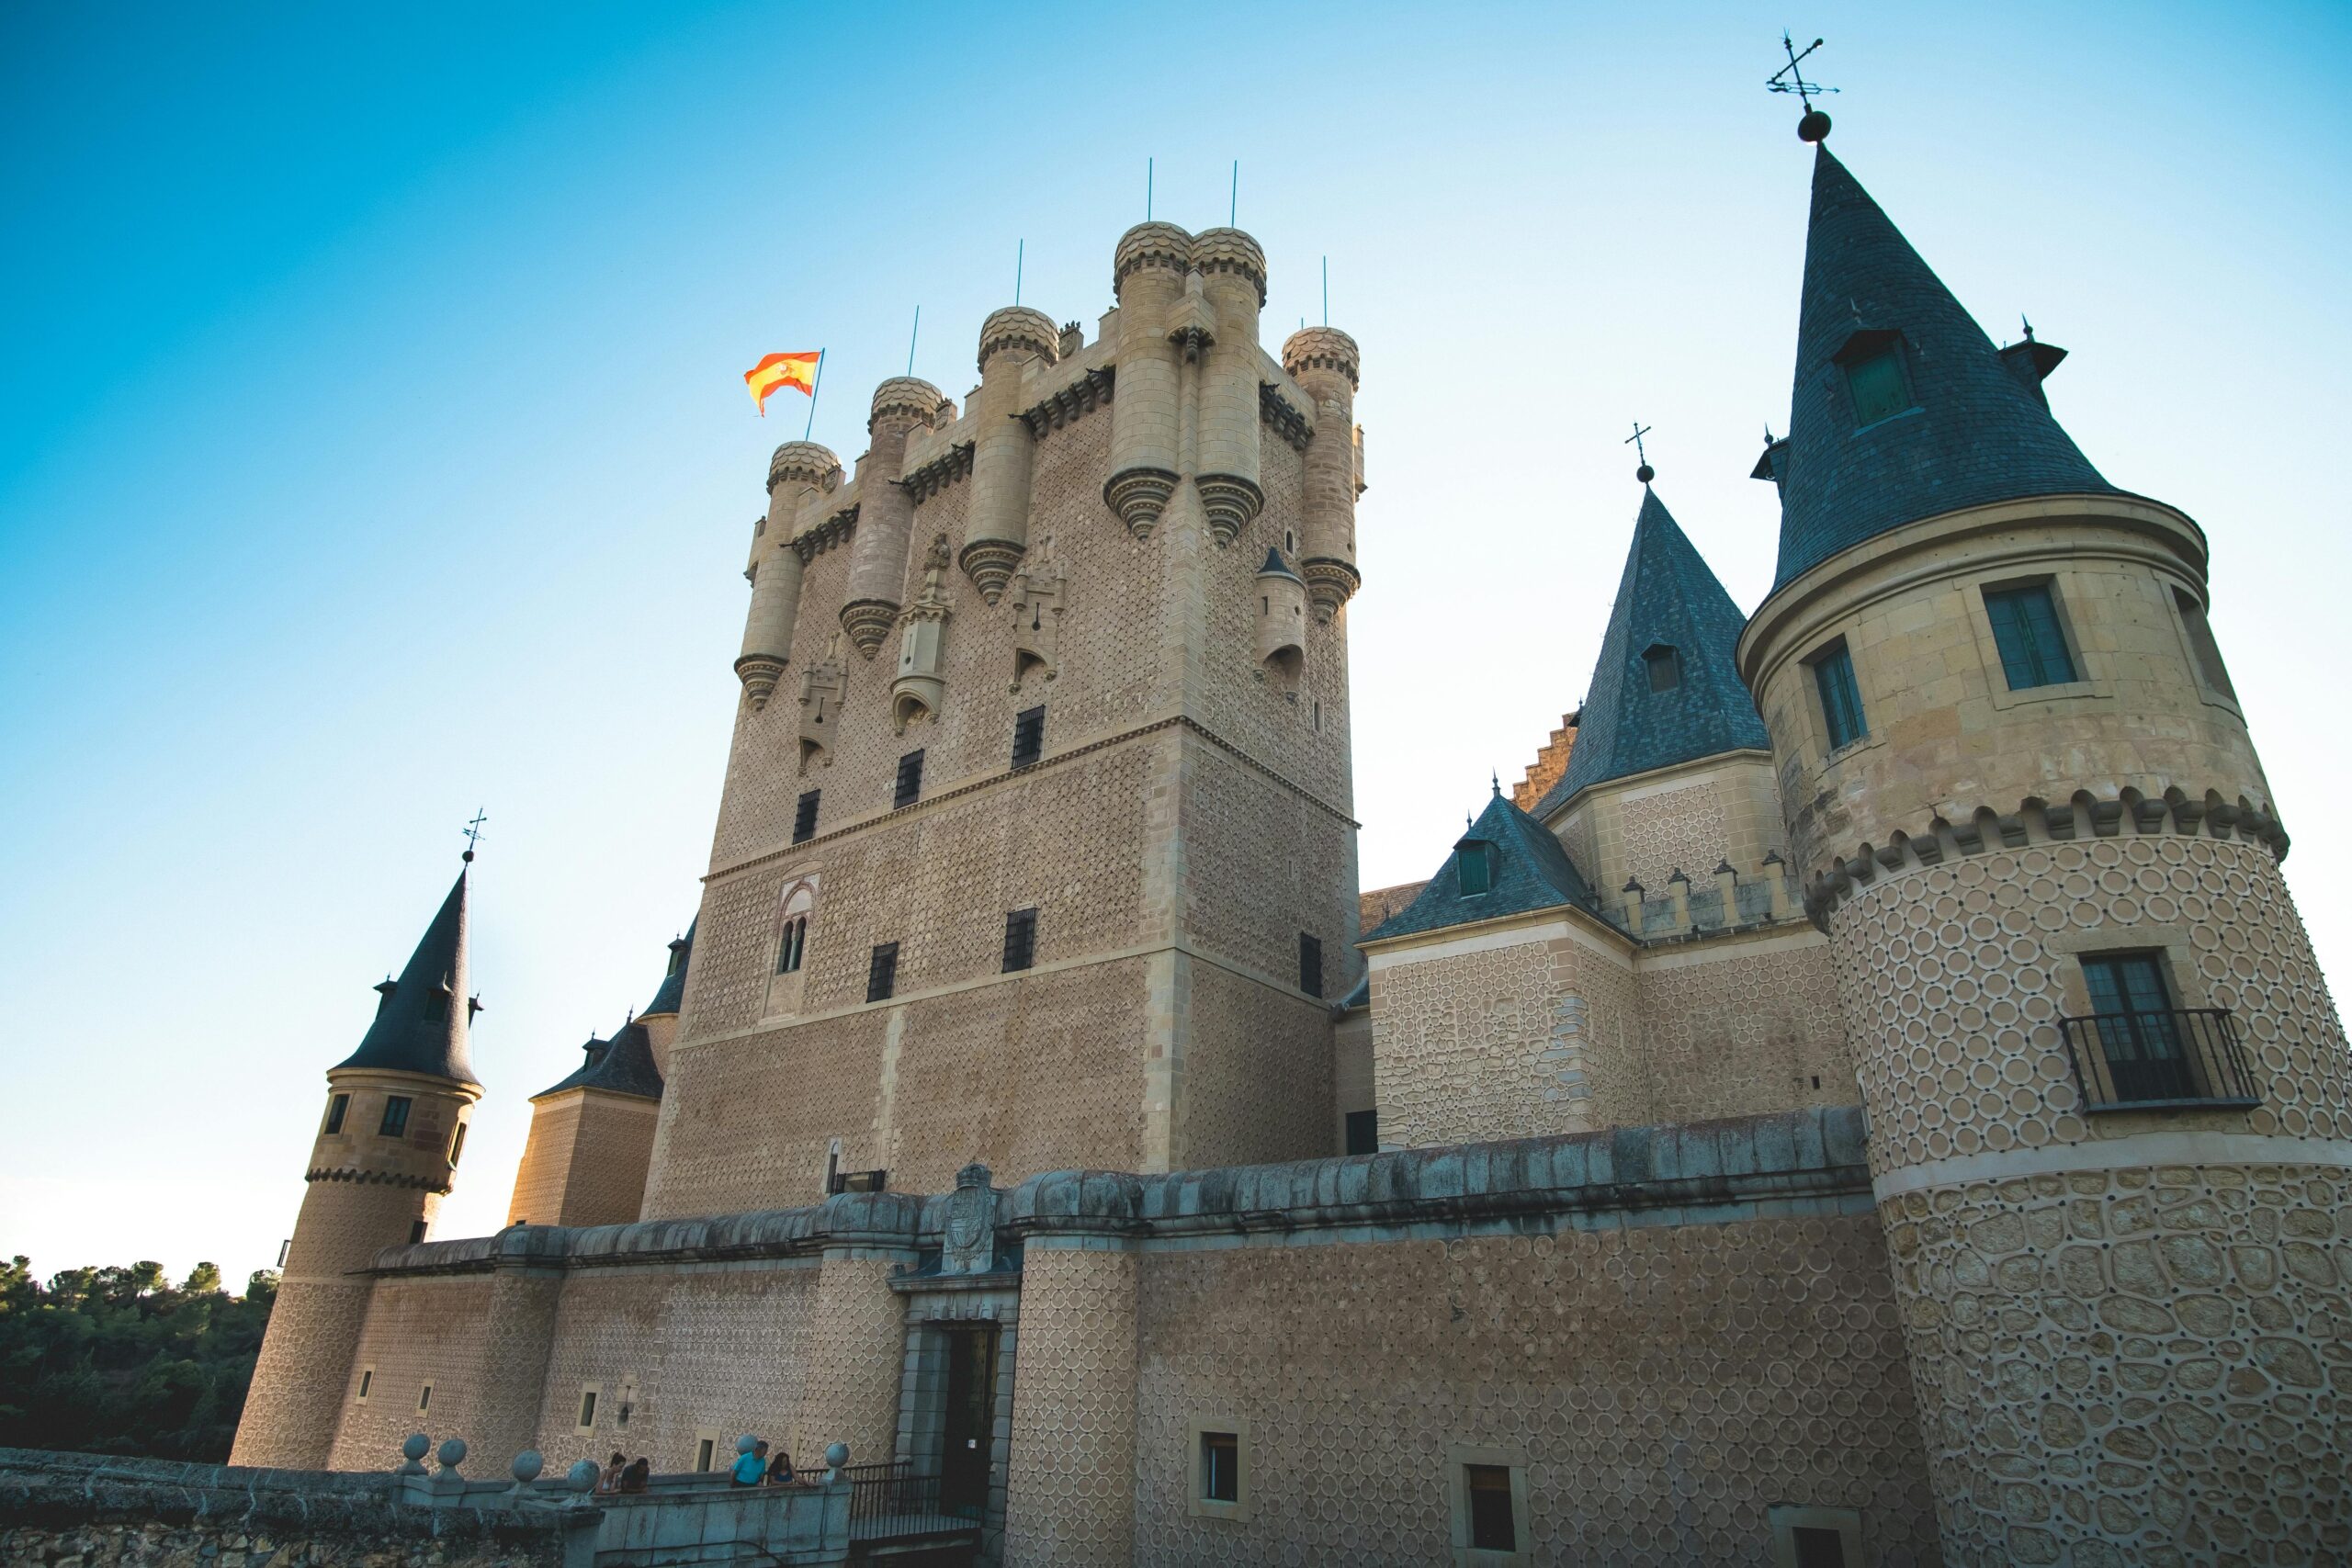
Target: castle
<point x="1866" y="1098"/>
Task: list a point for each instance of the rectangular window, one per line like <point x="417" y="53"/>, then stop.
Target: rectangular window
<point x="2209" y="668"/>
<point x="804" y="816"/>
<point x="1220" y="1468"/>
<point x="367" y="1381"/>
<point x="2025" y="628"/>
<point x="424" y="1399"/>
<point x="335" y="1107"/>
<point x="703" y="1447"/>
<point x="1492" y="1528"/>
<point x="1363" y="1132"/>
<point x="415" y="1231"/>
<point x="587" y="1407"/>
<point x="1474" y="866"/>
<point x="1028" y="735"/>
<point x="2138" y="1033"/>
<point x="1841" y="699"/>
<point x="1878" y="385"/>
<point x="1019" y="940"/>
<point x="1818" y="1547"/>
<point x="456" y="1145"/>
<point x="1665" y="667"/>
<point x="395" y="1122"/>
<point x="910" y="786"/>
<point x="882" y="973"/>
<point x="1310" y="964"/>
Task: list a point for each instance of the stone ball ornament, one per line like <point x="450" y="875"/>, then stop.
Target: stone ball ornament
<point x="526" y="1466"/>
<point x="582" y="1475"/>
<point x="1813" y="127"/>
<point x="453" y="1453"/>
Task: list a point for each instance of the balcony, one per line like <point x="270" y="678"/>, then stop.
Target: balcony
<point x="2176" y="1059"/>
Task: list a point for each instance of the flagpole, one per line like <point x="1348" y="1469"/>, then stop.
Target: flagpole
<point x="910" y="352"/>
<point x="1233" y="202"/>
<point x="1019" y="261"/>
<point x="1147" y="190"/>
<point x="815" y="382"/>
<point x="1327" y="298"/>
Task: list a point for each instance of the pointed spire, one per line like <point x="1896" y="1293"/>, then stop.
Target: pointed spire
<point x="1665" y="690"/>
<point x="1528" y="870"/>
<point x="1945" y="424"/>
<point x="419" y="1024"/>
<point x="674" y="983"/>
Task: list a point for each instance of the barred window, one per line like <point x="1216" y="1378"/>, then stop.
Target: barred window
<point x="882" y="973"/>
<point x="1028" y="735"/>
<point x="910" y="785"/>
<point x="1019" y="940"/>
<point x="804" y="816"/>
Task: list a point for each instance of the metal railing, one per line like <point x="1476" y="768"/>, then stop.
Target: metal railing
<point x="892" y="1500"/>
<point x="2175" y="1057"/>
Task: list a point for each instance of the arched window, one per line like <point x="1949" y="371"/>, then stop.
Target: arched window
<point x="792" y="939"/>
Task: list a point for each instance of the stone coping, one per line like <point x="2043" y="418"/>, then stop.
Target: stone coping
<point x="1814" y="1153"/>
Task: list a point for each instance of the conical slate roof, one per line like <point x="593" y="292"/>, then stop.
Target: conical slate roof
<point x="1667" y="598"/>
<point x="673" y="984"/>
<point x="420" y="1023"/>
<point x="1978" y="431"/>
<point x="1530" y="871"/>
<point x="623" y="1065"/>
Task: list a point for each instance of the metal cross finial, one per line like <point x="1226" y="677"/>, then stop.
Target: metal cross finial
<point x="1815" y="125"/>
<point x="1644" y="473"/>
<point x="473" y="832"/>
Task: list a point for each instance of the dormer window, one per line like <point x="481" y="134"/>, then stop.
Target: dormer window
<point x="1875" y="378"/>
<point x="1665" y="667"/>
<point x="1474" y="866"/>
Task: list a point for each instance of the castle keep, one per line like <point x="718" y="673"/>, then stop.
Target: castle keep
<point x="1866" y="1098"/>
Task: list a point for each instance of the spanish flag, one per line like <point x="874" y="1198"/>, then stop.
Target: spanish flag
<point x="782" y="370"/>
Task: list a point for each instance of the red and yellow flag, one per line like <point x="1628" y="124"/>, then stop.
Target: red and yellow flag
<point x="782" y="370"/>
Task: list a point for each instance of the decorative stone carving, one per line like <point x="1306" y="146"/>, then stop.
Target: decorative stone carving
<point x="969" y="1246"/>
<point x="921" y="681"/>
<point x="989" y="563"/>
<point x="867" y="621"/>
<point x="1230" y="502"/>
<point x="823" y="687"/>
<point x="1139" y="496"/>
<point x="1038" y="607"/>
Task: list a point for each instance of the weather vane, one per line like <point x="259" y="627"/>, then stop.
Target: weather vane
<point x="1644" y="473"/>
<point x="473" y="832"/>
<point x="1815" y="125"/>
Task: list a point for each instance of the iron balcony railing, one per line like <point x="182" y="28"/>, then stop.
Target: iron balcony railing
<point x="2177" y="1057"/>
<point x="890" y="1501"/>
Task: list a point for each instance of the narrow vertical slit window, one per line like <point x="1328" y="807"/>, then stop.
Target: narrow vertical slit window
<point x="456" y="1144"/>
<point x="882" y="973"/>
<point x="587" y="1408"/>
<point x="2026" y="630"/>
<point x="1220" y="1468"/>
<point x="1310" y="964"/>
<point x="804" y="816"/>
<point x="1841" y="699"/>
<point x="1028" y="735"/>
<point x="1019" y="940"/>
<point x="424" y="1399"/>
<point x="367" y="1381"/>
<point x="2209" y="668"/>
<point x="336" y="1106"/>
<point x="909" y="788"/>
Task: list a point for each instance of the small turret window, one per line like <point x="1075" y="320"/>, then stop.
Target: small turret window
<point x="336" y="1106"/>
<point x="1875" y="380"/>
<point x="2025" y="628"/>
<point x="456" y="1145"/>
<point x="395" y="1122"/>
<point x="437" y="1006"/>
<point x="1474" y="866"/>
<point x="2201" y="640"/>
<point x="1841" y="699"/>
<point x="1665" y="667"/>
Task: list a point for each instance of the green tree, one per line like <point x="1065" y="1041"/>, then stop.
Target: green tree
<point x="116" y="1360"/>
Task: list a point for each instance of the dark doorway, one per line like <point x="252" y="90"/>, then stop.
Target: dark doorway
<point x="967" y="1435"/>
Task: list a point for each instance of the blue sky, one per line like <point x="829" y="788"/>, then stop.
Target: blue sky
<point x="373" y="446"/>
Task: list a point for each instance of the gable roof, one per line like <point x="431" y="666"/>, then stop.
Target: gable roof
<point x="623" y="1065"/>
<point x="1668" y="596"/>
<point x="673" y="984"/>
<point x="1981" y="430"/>
<point x="1531" y="872"/>
<point x="406" y="1036"/>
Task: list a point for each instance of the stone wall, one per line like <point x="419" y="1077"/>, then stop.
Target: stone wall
<point x="1663" y="1386"/>
<point x="1688" y="818"/>
<point x="1742" y="1024"/>
<point x="585" y="1161"/>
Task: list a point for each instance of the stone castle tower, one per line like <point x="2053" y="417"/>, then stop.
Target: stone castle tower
<point x="2107" y="1096"/>
<point x="387" y="1147"/>
<point x="1036" y="847"/>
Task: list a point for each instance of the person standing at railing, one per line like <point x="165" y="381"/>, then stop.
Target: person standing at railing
<point x="610" y="1481"/>
<point x="780" y="1467"/>
<point x="751" y="1465"/>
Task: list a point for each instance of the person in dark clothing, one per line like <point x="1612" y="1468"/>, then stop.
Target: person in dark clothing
<point x="780" y="1469"/>
<point x="639" y="1470"/>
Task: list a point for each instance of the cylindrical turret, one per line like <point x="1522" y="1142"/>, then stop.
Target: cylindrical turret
<point x="798" y="472"/>
<point x="1233" y="274"/>
<point x="1148" y="274"/>
<point x="1324" y="361"/>
<point x="1281" y="624"/>
<point x="383" y="1157"/>
<point x="886" y="513"/>
<point x="997" y="535"/>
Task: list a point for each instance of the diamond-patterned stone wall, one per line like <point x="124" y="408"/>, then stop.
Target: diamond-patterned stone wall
<point x="1071" y="1487"/>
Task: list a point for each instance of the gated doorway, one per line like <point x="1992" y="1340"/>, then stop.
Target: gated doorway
<point x="967" y="1428"/>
